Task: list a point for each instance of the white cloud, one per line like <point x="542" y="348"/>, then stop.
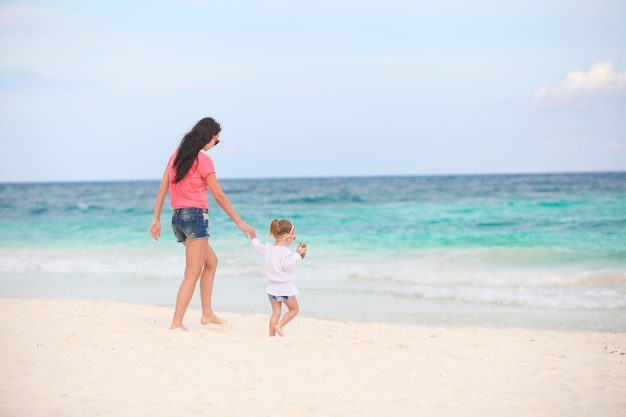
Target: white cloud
<point x="13" y="14"/>
<point x="237" y="149"/>
<point x="586" y="144"/>
<point x="582" y="89"/>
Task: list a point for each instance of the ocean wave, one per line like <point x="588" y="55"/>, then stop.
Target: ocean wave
<point x="528" y="257"/>
<point x="149" y="269"/>
<point x="95" y="263"/>
<point x="321" y="200"/>
<point x="466" y="267"/>
<point x="546" y="298"/>
<point x="480" y="267"/>
<point x="499" y="258"/>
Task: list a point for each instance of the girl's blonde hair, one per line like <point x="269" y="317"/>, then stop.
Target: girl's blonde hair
<point x="280" y="228"/>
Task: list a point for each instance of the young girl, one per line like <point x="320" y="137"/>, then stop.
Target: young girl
<point x="280" y="270"/>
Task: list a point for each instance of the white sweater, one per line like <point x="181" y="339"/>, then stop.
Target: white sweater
<point x="279" y="268"/>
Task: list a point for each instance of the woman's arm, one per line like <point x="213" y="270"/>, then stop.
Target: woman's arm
<point x="155" y="227"/>
<point x="224" y="203"/>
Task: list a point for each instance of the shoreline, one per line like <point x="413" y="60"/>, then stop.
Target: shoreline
<point x="100" y="358"/>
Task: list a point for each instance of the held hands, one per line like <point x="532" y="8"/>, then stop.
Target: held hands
<point x="247" y="230"/>
<point x="155" y="229"/>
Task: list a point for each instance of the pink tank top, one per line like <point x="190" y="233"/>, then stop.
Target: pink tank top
<point x="190" y="192"/>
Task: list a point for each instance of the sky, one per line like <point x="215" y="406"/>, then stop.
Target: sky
<point x="105" y="90"/>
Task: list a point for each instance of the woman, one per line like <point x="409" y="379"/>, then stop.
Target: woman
<point x="188" y="174"/>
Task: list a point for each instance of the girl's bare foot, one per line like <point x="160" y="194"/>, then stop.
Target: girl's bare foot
<point x="178" y="326"/>
<point x="279" y="330"/>
<point x="211" y="319"/>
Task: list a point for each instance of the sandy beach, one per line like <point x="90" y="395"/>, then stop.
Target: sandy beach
<point x="95" y="358"/>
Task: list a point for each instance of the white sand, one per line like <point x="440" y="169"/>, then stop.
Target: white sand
<point x="94" y="358"/>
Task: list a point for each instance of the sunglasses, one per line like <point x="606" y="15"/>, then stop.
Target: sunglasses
<point x="216" y="142"/>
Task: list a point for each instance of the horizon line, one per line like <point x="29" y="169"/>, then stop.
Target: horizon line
<point x="347" y="176"/>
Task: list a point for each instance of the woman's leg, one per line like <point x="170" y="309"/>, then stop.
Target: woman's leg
<point x="292" y="305"/>
<point x="276" y="307"/>
<point x="206" y="287"/>
<point x="195" y="255"/>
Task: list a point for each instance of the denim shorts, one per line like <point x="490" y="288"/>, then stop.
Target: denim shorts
<point x="190" y="223"/>
<point x="280" y="297"/>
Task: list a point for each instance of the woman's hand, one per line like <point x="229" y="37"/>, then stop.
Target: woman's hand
<point x="155" y="229"/>
<point x="247" y="230"/>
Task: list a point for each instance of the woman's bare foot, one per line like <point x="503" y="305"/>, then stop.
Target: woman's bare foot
<point x="211" y="319"/>
<point x="279" y="330"/>
<point x="178" y="326"/>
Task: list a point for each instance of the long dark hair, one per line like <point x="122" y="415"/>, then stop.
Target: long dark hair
<point x="192" y="143"/>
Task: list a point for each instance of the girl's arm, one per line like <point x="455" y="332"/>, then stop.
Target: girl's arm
<point x="155" y="227"/>
<point x="291" y="261"/>
<point x="224" y="203"/>
<point x="258" y="246"/>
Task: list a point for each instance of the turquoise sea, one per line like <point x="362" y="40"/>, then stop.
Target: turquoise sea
<point x="535" y="251"/>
